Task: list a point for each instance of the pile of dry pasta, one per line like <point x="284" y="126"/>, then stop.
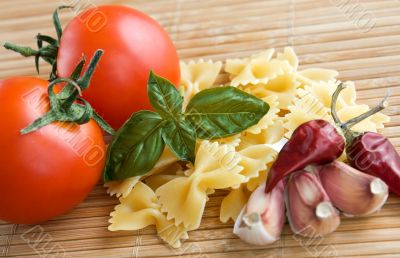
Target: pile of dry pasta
<point x="173" y="195"/>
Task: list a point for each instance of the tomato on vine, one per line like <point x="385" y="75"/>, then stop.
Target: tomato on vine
<point x="52" y="147"/>
<point x="133" y="44"/>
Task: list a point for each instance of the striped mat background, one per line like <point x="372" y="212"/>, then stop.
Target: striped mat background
<point x="360" y="39"/>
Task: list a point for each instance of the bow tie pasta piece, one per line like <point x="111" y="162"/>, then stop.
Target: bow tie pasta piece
<point x="290" y="56"/>
<point x="123" y="187"/>
<point x="173" y="171"/>
<point x="154" y="182"/>
<point x="305" y="109"/>
<point x="140" y="209"/>
<point x="254" y="159"/>
<point x="184" y="199"/>
<point x="257" y="181"/>
<point x="312" y="75"/>
<point x="233" y="140"/>
<point x="259" y="173"/>
<point x="257" y="69"/>
<point x="197" y="76"/>
<point x="323" y="91"/>
<point x="269" y="118"/>
<point x="284" y="86"/>
<point x="371" y="124"/>
<point x="233" y="203"/>
<point x="235" y="66"/>
<point x="270" y="135"/>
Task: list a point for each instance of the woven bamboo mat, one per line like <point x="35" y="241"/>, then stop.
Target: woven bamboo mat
<point x="360" y="39"/>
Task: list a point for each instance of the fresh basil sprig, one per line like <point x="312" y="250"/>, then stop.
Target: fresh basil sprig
<point x="223" y="111"/>
<point x="213" y="113"/>
<point x="136" y="147"/>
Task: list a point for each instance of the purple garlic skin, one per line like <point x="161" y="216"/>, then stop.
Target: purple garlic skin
<point x="262" y="219"/>
<point x="309" y="209"/>
<point x="352" y="191"/>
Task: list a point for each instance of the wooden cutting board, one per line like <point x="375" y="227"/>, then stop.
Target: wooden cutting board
<point x="360" y="39"/>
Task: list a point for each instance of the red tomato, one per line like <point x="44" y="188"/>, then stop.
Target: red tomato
<point x="47" y="172"/>
<point x="133" y="44"/>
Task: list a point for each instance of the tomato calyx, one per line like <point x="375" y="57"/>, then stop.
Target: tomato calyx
<point x="68" y="106"/>
<point x="47" y="52"/>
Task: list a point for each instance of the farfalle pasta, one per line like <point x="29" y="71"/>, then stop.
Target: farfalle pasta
<point x="312" y="75"/>
<point x="283" y="86"/>
<point x="173" y="195"/>
<point x="184" y="199"/>
<point x="140" y="209"/>
<point x="323" y="92"/>
<point x="269" y="118"/>
<point x="290" y="56"/>
<point x="270" y="135"/>
<point x="253" y="159"/>
<point x="233" y="140"/>
<point x="158" y="180"/>
<point x="257" y="181"/>
<point x="123" y="187"/>
<point x="197" y="76"/>
<point x="304" y="109"/>
<point x="233" y="203"/>
<point x="257" y="69"/>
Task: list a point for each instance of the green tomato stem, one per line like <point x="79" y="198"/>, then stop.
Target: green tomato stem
<point x="64" y="106"/>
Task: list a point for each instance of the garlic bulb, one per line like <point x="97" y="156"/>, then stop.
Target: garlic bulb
<point x="352" y="191"/>
<point x="309" y="210"/>
<point x="261" y="221"/>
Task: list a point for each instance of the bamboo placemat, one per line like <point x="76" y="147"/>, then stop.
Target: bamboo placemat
<point x="360" y="39"/>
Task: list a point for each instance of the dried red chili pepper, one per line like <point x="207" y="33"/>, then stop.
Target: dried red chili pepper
<point x="314" y="142"/>
<point x="370" y="152"/>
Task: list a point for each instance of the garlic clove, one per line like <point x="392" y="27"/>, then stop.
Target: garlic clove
<point x="309" y="210"/>
<point x="261" y="221"/>
<point x="352" y="191"/>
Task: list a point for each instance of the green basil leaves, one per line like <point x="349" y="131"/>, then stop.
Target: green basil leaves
<point x="224" y="111"/>
<point x="164" y="97"/>
<point x="213" y="113"/>
<point x="136" y="147"/>
<point x="180" y="137"/>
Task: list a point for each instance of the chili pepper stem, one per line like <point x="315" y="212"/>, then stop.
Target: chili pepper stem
<point x="348" y="133"/>
<point x="382" y="105"/>
<point x="335" y="96"/>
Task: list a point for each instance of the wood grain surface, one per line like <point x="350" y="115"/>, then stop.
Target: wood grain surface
<point x="360" y="39"/>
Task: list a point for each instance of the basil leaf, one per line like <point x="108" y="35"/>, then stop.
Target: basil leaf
<point x="136" y="147"/>
<point x="163" y="96"/>
<point x="224" y="111"/>
<point x="180" y="137"/>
